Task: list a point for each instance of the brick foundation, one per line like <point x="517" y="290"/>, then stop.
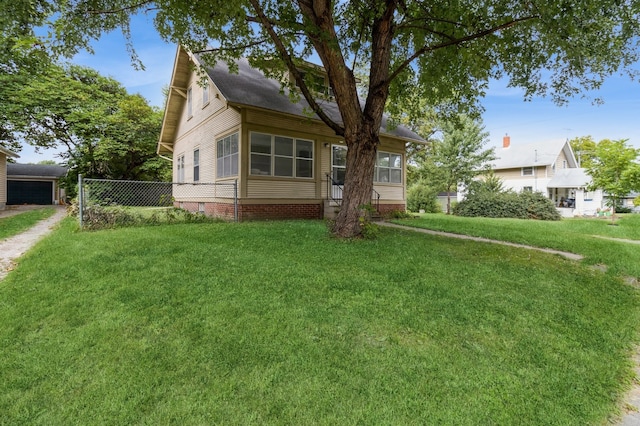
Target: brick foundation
<point x="256" y="211"/>
<point x="386" y="209"/>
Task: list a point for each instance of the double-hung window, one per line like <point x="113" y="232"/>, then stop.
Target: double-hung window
<point x="227" y="156"/>
<point x="180" y="168"/>
<point x="281" y="156"/>
<point x="388" y="168"/>
<point x="205" y="94"/>
<point x="196" y="165"/>
<point x="189" y="102"/>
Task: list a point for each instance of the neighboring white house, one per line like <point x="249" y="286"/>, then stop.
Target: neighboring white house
<point x="551" y="168"/>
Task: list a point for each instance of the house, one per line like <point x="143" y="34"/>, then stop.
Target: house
<point x="34" y="184"/>
<point x="242" y="127"/>
<point x="549" y="167"/>
<point x="4" y="155"/>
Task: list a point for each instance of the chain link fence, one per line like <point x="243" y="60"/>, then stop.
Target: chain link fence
<point x="105" y="203"/>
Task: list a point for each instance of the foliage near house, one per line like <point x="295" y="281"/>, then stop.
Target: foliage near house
<point x="422" y="195"/>
<point x="102" y="130"/>
<point x="457" y="157"/>
<point x="488" y="199"/>
<point x="445" y="53"/>
<point x="615" y="170"/>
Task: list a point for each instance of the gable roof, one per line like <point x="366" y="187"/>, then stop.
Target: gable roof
<point x="36" y="170"/>
<point x="8" y="153"/>
<point x="248" y="88"/>
<point x="534" y="154"/>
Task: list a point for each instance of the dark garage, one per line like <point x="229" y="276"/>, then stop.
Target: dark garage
<point x="29" y="192"/>
<point x="34" y="184"/>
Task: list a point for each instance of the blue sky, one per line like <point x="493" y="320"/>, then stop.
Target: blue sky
<point x="505" y="110"/>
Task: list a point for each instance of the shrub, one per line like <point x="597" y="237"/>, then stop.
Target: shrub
<point x="525" y="205"/>
<point x="422" y="196"/>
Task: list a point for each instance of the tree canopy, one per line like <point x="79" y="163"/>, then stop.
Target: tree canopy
<point x="103" y="131"/>
<point x="614" y="168"/>
<point x="459" y="156"/>
<point x="442" y="52"/>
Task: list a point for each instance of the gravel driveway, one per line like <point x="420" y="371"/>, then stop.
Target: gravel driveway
<point x="13" y="247"/>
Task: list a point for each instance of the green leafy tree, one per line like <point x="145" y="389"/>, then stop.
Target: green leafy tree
<point x="584" y="148"/>
<point x="458" y="156"/>
<point x="615" y="170"/>
<point x="440" y="51"/>
<point x="103" y="131"/>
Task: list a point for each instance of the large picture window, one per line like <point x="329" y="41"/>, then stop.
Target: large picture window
<point x="281" y="156"/>
<point x="227" y="156"/>
<point x="388" y="168"/>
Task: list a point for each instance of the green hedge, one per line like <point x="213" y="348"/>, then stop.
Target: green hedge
<point x="524" y="205"/>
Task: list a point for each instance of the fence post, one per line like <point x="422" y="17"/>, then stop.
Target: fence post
<point x="235" y="200"/>
<point x="80" y="199"/>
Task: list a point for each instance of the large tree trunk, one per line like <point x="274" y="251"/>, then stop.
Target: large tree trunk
<point x="358" y="182"/>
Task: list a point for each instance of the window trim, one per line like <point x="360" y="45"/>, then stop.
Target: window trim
<point x="376" y="174"/>
<point x="272" y="156"/>
<point x="180" y="168"/>
<point x="220" y="170"/>
<point x="196" y="165"/>
<point x="522" y="171"/>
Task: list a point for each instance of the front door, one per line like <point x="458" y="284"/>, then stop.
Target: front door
<point x="338" y="168"/>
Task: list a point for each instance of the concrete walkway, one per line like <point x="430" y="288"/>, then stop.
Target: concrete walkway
<point x="13" y="247"/>
<point x="566" y="254"/>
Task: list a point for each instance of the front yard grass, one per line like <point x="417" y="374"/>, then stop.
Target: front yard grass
<point x="278" y="323"/>
<point x="13" y="225"/>
<point x="581" y="236"/>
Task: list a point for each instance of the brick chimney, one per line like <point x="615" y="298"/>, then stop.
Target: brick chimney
<point x="506" y="141"/>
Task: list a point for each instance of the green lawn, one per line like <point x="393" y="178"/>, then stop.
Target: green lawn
<point x="582" y="236"/>
<point x="278" y="323"/>
<point x="12" y="225"/>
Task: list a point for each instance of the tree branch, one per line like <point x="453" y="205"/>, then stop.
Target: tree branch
<point x="456" y="41"/>
<point x="116" y="11"/>
<point x="286" y="57"/>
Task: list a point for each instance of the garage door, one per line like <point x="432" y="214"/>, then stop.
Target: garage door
<point x="25" y="192"/>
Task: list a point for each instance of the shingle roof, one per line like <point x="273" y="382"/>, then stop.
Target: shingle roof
<point x="534" y="154"/>
<point x="570" y="178"/>
<point x="250" y="87"/>
<point x="35" y="170"/>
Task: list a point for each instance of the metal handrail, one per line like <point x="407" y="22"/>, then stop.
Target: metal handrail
<point x="331" y="182"/>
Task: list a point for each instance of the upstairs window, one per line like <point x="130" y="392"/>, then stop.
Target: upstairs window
<point x="205" y="94"/>
<point x="189" y="102"/>
<point x="527" y="171"/>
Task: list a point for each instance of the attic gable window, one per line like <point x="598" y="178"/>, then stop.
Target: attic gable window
<point x="316" y="82"/>
<point x="527" y="171"/>
<point x="190" y="102"/>
<point x="205" y="95"/>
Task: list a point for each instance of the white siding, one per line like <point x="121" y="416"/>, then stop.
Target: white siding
<point x="281" y="189"/>
<point x="204" y="138"/>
